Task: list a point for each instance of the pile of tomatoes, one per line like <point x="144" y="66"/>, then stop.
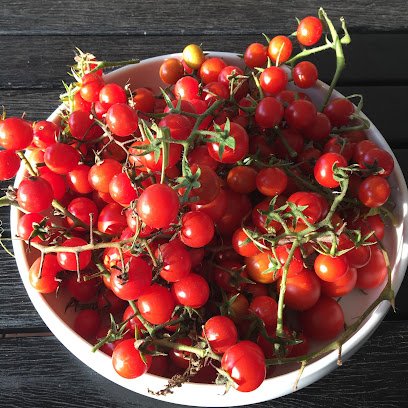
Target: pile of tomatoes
<point x="188" y="219"/>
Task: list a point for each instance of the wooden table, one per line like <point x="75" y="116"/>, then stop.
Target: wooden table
<point x="37" y="43"/>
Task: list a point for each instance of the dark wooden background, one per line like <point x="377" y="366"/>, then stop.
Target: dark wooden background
<point x="37" y="43"/>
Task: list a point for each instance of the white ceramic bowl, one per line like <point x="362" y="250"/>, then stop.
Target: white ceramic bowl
<point x="52" y="310"/>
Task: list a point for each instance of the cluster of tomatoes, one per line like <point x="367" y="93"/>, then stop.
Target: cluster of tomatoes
<point x="187" y="213"/>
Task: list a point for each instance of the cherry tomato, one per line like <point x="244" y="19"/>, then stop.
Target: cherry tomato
<point x="68" y="260"/>
<point x="256" y="55"/>
<point x="324" y="320"/>
<point x="323" y="170"/>
<point x="280" y="49"/>
<point x="176" y="261"/>
<point x="269" y="112"/>
<point x="197" y="229"/>
<point x="339" y="111"/>
<point x="245" y="363"/>
<point x="193" y="291"/>
<point x="156" y="304"/>
<point x="9" y="164"/>
<point x="127" y="360"/>
<point x="273" y="80"/>
<point x="193" y="56"/>
<point x="330" y="268"/>
<point x="134" y="281"/>
<point x="158" y="205"/>
<point x="46" y="282"/>
<point x="34" y="194"/>
<point x="300" y="114"/>
<point x="302" y="290"/>
<point x="229" y="155"/>
<point x="15" y="134"/>
<point x="171" y="71"/>
<point x="374" y="191"/>
<point x="374" y="273"/>
<point x="309" y="31"/>
<point x="305" y="74"/>
<point x="221" y="333"/>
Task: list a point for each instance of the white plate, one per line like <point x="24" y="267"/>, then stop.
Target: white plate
<point x="145" y="74"/>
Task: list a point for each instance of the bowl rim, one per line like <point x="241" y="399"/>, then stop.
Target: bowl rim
<point x="313" y="371"/>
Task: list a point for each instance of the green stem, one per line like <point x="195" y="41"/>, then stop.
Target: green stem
<point x="108" y="64"/>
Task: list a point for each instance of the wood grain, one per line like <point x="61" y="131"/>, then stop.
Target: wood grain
<point x="47" y="68"/>
<point x="40" y="372"/>
<point x="58" y="17"/>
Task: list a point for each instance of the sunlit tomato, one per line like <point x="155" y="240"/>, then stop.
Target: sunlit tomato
<point x="231" y="155"/>
<point x="61" y="158"/>
<point x="171" y="71"/>
<point x="266" y="308"/>
<point x="193" y="291"/>
<point x="156" y="305"/>
<point x="238" y="242"/>
<point x="180" y="126"/>
<point x="34" y="194"/>
<point x="158" y="205"/>
<point x="143" y="100"/>
<point x="45" y="133"/>
<point x="193" y="56"/>
<point x="280" y="49"/>
<point x="128" y="362"/>
<point x="324" y="320"/>
<point x="296" y="263"/>
<point x="273" y="80"/>
<point x="323" y="170"/>
<point x="43" y="279"/>
<point x="111" y="219"/>
<point x="25" y="226"/>
<point x="9" y="164"/>
<point x="101" y="174"/>
<point x="176" y="261"/>
<point x="15" y="133"/>
<point x="305" y="74"/>
<point x="122" y="190"/>
<point x="82" y="208"/>
<point x="330" y="268"/>
<point x="197" y="229"/>
<point x="68" y="260"/>
<point x="260" y="268"/>
<point x="245" y="363"/>
<point x="111" y="94"/>
<point x="211" y="68"/>
<point x="313" y="209"/>
<point x="91" y="85"/>
<point x="309" y="31"/>
<point x="121" y="119"/>
<point x="256" y="55"/>
<point x="134" y="281"/>
<point x="221" y="333"/>
<point x="187" y="88"/>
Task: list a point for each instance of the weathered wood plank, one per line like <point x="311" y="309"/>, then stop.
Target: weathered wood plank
<point x="42" y="61"/>
<point x="210" y="17"/>
<point x="39" y="371"/>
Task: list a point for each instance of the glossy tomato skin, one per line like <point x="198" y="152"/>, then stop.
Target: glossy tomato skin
<point x="134" y="282"/>
<point x="231" y="155"/>
<point x="34" y="194"/>
<point x="221" y="333"/>
<point x="245" y="363"/>
<point x="47" y="283"/>
<point x="324" y="320"/>
<point x="176" y="261"/>
<point x="158" y="205"/>
<point x="193" y="291"/>
<point x="309" y="30"/>
<point x="266" y="308"/>
<point x="127" y="361"/>
<point x="374" y="191"/>
<point x="111" y="219"/>
<point x="156" y="305"/>
<point x="323" y="170"/>
<point x="197" y="229"/>
<point x="331" y="269"/>
<point x="15" y="134"/>
<point x="67" y="260"/>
